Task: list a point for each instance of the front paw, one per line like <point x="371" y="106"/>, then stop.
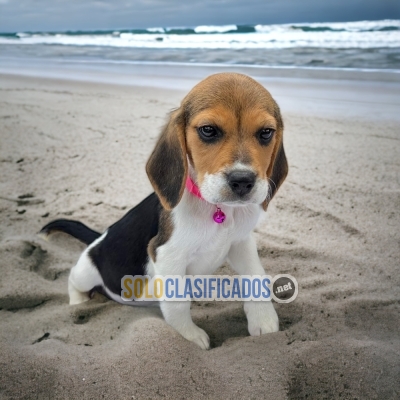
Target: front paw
<point x="261" y="317"/>
<point x="196" y="335"/>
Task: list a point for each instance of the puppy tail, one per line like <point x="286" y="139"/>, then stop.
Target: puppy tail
<point x="73" y="228"/>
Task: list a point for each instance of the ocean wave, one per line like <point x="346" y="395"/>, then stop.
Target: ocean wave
<point x="215" y="29"/>
<point x="358" y="26"/>
<point x="155" y="30"/>
<point x="360" y="34"/>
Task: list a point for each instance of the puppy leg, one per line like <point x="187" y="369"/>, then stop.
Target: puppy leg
<point x="75" y="295"/>
<point x="177" y="314"/>
<point x="261" y="315"/>
<point x="84" y="277"/>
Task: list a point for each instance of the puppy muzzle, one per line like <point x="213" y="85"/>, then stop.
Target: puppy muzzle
<point x="236" y="187"/>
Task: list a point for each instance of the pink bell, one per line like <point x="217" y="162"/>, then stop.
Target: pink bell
<point x="219" y="216"/>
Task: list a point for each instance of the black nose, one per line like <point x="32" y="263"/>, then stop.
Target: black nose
<point x="241" y="182"/>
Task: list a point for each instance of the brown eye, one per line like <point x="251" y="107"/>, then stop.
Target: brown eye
<point x="265" y="135"/>
<point x="208" y="133"/>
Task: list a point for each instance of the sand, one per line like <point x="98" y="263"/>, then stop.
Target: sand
<point x="77" y="150"/>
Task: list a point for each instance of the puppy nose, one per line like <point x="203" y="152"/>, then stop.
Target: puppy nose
<point x="241" y="182"/>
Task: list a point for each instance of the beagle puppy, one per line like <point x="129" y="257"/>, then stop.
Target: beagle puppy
<point x="215" y="167"/>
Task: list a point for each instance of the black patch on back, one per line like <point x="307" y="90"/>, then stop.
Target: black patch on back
<point x="124" y="249"/>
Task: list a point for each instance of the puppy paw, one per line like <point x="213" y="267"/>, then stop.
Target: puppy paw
<point x="76" y="297"/>
<point x="261" y="317"/>
<point x="196" y="335"/>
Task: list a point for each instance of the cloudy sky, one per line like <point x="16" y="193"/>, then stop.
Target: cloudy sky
<point x="59" y="15"/>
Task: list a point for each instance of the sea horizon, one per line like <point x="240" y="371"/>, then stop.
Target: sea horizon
<point x="371" y="45"/>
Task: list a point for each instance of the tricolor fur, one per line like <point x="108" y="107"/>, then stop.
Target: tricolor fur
<point x="227" y="136"/>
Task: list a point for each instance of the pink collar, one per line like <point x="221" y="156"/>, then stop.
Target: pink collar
<point x="193" y="188"/>
<point x="219" y="216"/>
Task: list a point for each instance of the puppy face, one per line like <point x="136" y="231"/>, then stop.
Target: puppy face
<point x="230" y="130"/>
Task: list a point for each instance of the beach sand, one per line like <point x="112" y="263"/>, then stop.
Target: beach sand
<point x="77" y="150"/>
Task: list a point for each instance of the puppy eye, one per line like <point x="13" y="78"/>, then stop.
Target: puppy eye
<point x="208" y="133"/>
<point x="265" y="135"/>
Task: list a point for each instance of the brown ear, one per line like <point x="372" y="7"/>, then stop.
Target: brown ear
<point x="167" y="165"/>
<point x="276" y="173"/>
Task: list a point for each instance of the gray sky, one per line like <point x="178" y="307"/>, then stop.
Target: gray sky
<point x="59" y="15"/>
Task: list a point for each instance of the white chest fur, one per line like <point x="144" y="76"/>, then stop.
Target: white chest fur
<point x="198" y="244"/>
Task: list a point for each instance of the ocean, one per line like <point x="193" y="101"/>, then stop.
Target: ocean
<point x="351" y="45"/>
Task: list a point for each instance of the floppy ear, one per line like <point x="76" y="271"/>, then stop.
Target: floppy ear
<point x="167" y="165"/>
<point x="276" y="173"/>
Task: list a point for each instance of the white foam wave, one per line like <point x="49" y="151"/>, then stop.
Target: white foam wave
<point x="215" y="29"/>
<point x="156" y="30"/>
<point x="357" y="26"/>
<point x="363" y="35"/>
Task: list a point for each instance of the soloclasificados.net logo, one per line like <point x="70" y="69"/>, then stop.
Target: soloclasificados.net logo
<point x="281" y="288"/>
